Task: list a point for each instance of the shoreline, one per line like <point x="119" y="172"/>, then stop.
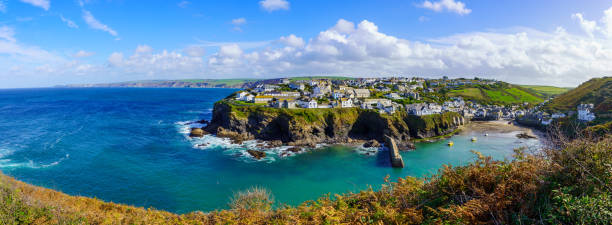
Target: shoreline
<point x="283" y="151"/>
<point x="501" y="126"/>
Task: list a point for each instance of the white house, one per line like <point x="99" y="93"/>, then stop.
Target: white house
<point x="346" y="103"/>
<point x="248" y="98"/>
<point x="262" y="99"/>
<point x="241" y="95"/>
<point x="320" y="91"/>
<point x="558" y="115"/>
<point x="312" y="104"/>
<point x="296" y="86"/>
<point x="584" y="112"/>
<point x="393" y="95"/>
<point x="337" y="95"/>
<point x="361" y="93"/>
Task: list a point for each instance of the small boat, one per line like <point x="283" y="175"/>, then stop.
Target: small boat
<point x="473" y="139"/>
<point x="486" y="134"/>
<point x="450" y="143"/>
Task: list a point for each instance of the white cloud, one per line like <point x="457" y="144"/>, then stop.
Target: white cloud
<point x="183" y="4"/>
<point x="523" y="56"/>
<point x="7" y="33"/>
<point x="95" y="24"/>
<point x="143" y="49"/>
<point x="590" y="26"/>
<point x="292" y="41"/>
<point x="239" y="21"/>
<point x="519" y="55"/>
<point x="447" y="5"/>
<point x="115" y="59"/>
<point x="45" y="4"/>
<point x="2" y="6"/>
<point x="273" y="5"/>
<point x="232" y="51"/>
<point x="607" y="21"/>
<point x="68" y="22"/>
<point x="195" y="51"/>
<point x="152" y="64"/>
<point x="83" y="54"/>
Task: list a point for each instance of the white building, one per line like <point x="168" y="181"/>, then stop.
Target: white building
<point x="312" y="104"/>
<point x="393" y="96"/>
<point x="320" y="91"/>
<point x="557" y="115"/>
<point x="262" y="99"/>
<point x="337" y="95"/>
<point x="241" y="95"/>
<point x="296" y="86"/>
<point x="346" y="103"/>
<point x="584" y="112"/>
<point x="361" y="93"/>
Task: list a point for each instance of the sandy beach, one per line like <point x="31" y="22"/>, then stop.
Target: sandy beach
<point x="498" y="126"/>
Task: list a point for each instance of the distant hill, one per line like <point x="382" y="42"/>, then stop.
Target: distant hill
<point x="187" y="83"/>
<point x="597" y="91"/>
<point x="501" y="93"/>
<point x="201" y="83"/>
<point x="546" y="91"/>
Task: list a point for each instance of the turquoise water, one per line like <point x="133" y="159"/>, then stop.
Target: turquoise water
<point x="129" y="146"/>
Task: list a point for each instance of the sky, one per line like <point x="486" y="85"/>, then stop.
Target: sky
<point x="52" y="42"/>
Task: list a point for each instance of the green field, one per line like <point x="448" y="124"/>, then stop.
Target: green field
<point x="468" y="93"/>
<point x="506" y="94"/>
<point x="546" y="91"/>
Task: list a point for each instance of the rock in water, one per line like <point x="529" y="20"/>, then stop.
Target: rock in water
<point x="196" y="132"/>
<point x="525" y="135"/>
<point x="294" y="149"/>
<point x="257" y="154"/>
<point x="371" y="144"/>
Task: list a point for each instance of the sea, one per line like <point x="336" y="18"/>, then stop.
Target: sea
<point x="131" y="146"/>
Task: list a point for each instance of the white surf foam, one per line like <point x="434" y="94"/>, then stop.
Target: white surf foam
<point x="9" y="163"/>
<point x="238" y="151"/>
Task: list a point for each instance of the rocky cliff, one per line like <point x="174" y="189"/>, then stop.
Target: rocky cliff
<point x="308" y="127"/>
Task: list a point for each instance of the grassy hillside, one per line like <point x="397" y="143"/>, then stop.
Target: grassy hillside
<point x="597" y="91"/>
<point x="570" y="185"/>
<point x="227" y="82"/>
<point x="496" y="94"/>
<point x="320" y="77"/>
<point x="546" y="91"/>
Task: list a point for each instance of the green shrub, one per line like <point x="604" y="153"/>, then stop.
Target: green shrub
<point x="254" y="198"/>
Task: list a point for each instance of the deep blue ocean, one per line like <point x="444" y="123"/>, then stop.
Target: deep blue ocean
<point x="130" y="145"/>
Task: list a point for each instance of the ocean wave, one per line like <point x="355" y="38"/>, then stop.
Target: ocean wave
<point x="370" y="151"/>
<point x="238" y="151"/>
<point x="197" y="111"/>
<point x="9" y="163"/>
<point x="5" y="152"/>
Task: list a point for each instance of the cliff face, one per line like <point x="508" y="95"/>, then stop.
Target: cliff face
<point x="307" y="127"/>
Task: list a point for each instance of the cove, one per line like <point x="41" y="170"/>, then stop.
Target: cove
<point x="126" y="146"/>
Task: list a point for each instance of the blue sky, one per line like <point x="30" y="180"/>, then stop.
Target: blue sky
<point x="49" y="42"/>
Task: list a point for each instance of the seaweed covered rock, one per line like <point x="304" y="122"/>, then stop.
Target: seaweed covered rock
<point x="371" y="144"/>
<point x="197" y="132"/>
<point x="257" y="154"/>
